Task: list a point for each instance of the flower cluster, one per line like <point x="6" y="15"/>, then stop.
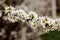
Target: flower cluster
<point x="32" y="19"/>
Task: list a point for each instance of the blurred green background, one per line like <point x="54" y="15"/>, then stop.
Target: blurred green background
<point x="52" y="35"/>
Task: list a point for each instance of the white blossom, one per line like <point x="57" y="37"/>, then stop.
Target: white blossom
<point x="32" y="15"/>
<point x="22" y="15"/>
<point x="35" y="23"/>
<point x="13" y="18"/>
<point x="9" y="9"/>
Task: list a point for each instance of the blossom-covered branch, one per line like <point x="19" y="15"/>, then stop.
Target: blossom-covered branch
<point x="32" y="19"/>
